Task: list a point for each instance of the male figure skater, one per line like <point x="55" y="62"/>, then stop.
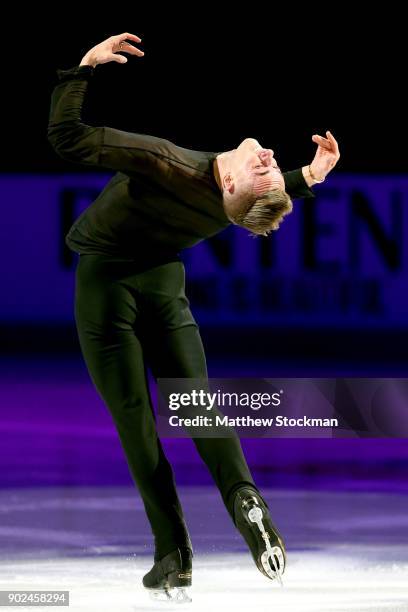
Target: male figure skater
<point x="131" y="310"/>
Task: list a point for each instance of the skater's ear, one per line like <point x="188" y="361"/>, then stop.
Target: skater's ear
<point x="228" y="183"/>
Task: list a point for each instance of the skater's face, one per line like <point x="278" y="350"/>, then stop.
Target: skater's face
<point x="254" y="164"/>
<point x="253" y="171"/>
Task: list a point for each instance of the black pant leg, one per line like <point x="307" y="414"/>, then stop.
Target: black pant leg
<point x="107" y="314"/>
<point x="182" y="355"/>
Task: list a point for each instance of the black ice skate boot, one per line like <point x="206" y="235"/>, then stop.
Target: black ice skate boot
<point x="170" y="577"/>
<point x="252" y="519"/>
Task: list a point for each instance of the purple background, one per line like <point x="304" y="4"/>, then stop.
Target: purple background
<point x="336" y="306"/>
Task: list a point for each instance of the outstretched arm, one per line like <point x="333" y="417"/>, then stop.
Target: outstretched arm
<point x="100" y="146"/>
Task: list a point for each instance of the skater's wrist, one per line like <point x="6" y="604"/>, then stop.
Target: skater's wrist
<point x="89" y="60"/>
<point x="310" y="177"/>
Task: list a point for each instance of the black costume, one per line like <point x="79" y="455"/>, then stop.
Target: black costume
<point x="131" y="309"/>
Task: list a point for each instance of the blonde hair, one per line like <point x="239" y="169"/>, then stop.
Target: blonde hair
<point x="265" y="212"/>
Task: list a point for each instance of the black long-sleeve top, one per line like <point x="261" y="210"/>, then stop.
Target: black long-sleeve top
<point x="162" y="199"/>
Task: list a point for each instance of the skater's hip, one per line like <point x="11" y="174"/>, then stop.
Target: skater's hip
<point x="123" y="287"/>
<point x="94" y="269"/>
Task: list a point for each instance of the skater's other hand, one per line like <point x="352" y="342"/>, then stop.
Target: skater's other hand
<point x="326" y="157"/>
<point x="107" y="50"/>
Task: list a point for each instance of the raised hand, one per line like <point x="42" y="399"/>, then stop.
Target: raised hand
<point x="108" y="50"/>
<point x="326" y="157"/>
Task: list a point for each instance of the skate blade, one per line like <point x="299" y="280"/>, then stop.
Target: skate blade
<point x="268" y="558"/>
<point x="171" y="594"/>
<point x="271" y="553"/>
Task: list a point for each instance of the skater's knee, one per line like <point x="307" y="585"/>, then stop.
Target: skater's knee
<point x="132" y="403"/>
<point x="133" y="412"/>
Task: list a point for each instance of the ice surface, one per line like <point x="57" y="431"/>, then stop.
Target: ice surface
<point x="332" y="580"/>
<point x="346" y="551"/>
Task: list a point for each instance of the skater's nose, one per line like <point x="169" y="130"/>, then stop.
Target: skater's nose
<point x="266" y="156"/>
